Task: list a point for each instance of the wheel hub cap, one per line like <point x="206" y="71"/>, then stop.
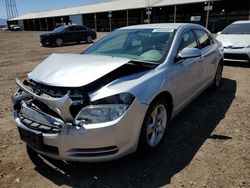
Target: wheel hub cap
<point x="156" y="125"/>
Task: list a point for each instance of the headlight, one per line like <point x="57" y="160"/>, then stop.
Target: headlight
<point x="105" y="110"/>
<point x="101" y="113"/>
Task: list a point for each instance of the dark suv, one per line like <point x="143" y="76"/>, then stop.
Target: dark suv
<point x="68" y="33"/>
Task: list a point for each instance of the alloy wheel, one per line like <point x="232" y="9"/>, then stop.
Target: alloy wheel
<point x="156" y="125"/>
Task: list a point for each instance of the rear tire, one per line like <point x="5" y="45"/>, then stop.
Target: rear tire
<point x="154" y="126"/>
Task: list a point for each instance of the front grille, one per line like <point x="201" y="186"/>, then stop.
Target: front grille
<point x="79" y="97"/>
<point x="51" y="129"/>
<point x="236" y="56"/>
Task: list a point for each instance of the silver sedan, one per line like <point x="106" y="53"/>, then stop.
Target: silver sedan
<point x="236" y="41"/>
<point x="119" y="95"/>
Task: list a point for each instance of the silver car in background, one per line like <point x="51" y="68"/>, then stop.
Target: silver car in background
<point x="119" y="95"/>
<point x="236" y="41"/>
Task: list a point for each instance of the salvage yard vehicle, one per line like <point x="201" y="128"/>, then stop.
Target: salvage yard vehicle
<point x="68" y="33"/>
<point x="117" y="96"/>
<point x="15" y="27"/>
<point x="236" y="41"/>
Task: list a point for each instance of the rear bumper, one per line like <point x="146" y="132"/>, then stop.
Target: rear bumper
<point x="237" y="55"/>
<point x="93" y="142"/>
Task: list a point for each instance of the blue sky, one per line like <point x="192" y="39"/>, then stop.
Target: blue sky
<point x="25" y="6"/>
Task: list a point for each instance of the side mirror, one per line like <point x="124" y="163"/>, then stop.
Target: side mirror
<point x="188" y="53"/>
<point x="219" y="33"/>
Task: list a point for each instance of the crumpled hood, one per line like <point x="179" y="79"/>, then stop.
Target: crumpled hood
<point x="234" y="40"/>
<point x="74" y="70"/>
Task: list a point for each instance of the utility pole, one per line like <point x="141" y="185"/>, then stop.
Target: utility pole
<point x="127" y="18"/>
<point x="174" y="13"/>
<point x="95" y="22"/>
<point x="110" y="20"/>
<point x="148" y="11"/>
<point x="208" y="8"/>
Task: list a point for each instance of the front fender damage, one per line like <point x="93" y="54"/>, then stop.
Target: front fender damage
<point x="144" y="87"/>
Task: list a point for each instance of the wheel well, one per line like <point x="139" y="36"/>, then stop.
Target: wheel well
<point x="166" y="96"/>
<point x="221" y="61"/>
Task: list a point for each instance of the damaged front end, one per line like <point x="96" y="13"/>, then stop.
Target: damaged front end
<point x="69" y="123"/>
<point x="45" y="110"/>
<point x="59" y="102"/>
<point x="53" y="120"/>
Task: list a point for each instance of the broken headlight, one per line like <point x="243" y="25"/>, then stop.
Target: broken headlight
<point x="105" y="110"/>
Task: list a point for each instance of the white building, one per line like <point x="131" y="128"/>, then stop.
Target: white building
<point x="113" y="14"/>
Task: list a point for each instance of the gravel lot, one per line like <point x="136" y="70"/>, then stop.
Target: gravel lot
<point x="207" y="143"/>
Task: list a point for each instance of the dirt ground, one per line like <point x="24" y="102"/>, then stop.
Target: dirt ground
<point x="208" y="144"/>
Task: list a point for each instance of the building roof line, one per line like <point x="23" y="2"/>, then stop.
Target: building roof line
<point x="112" y="5"/>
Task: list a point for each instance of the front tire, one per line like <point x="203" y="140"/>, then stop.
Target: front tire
<point x="154" y="126"/>
<point x="59" y="42"/>
<point x="218" y="76"/>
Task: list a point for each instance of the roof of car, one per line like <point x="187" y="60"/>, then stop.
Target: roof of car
<point x="72" y="25"/>
<point x="242" y="21"/>
<point x="159" y="25"/>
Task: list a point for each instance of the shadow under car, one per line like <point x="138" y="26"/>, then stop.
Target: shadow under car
<point x="185" y="135"/>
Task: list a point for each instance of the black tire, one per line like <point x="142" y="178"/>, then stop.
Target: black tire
<point x="145" y="144"/>
<point x="218" y="77"/>
<point x="89" y="39"/>
<point x="59" y="42"/>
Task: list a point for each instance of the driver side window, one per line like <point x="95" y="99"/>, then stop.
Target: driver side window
<point x="187" y="41"/>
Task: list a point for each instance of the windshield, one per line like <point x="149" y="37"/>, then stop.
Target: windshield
<point x="243" y="28"/>
<point x="59" y="29"/>
<point x="150" y="45"/>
